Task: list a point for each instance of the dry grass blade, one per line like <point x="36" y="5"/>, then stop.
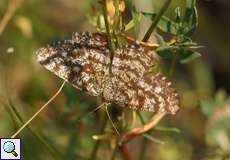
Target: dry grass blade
<point x="12" y="7"/>
<point x="41" y="109"/>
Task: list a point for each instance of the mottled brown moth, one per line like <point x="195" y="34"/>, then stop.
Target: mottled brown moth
<point x="83" y="61"/>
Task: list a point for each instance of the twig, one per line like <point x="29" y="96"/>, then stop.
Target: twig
<point x="140" y="130"/>
<point x="97" y="144"/>
<point x="12" y="7"/>
<point x="41" y="109"/>
<point x="156" y="20"/>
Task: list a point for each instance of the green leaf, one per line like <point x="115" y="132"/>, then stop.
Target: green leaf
<point x="130" y="25"/>
<point x="190" y="3"/>
<point x="220" y="96"/>
<point x="165" y="24"/>
<point x="166" y="52"/>
<point x="194" y="23"/>
<point x="135" y="21"/>
<point x="186" y="42"/>
<point x="178" y="15"/>
<point x="159" y="38"/>
<point x="207" y="107"/>
<point x="188" y="12"/>
<point x="187" y="56"/>
<point x="153" y="139"/>
<point x="195" y="46"/>
<point x="190" y="18"/>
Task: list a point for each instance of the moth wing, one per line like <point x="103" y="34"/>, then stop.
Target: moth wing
<point x="83" y="66"/>
<point x="132" y="85"/>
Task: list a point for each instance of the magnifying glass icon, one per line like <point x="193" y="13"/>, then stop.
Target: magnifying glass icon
<point x="9" y="147"/>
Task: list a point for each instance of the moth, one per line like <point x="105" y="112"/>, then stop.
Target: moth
<point x="84" y="62"/>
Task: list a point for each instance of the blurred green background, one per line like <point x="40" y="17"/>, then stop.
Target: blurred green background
<point x="203" y="85"/>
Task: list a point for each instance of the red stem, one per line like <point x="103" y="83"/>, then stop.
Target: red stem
<point x="140" y="130"/>
<point x="125" y="152"/>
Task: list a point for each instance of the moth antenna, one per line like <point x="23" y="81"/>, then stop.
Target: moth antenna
<point x="110" y="119"/>
<point x="92" y="111"/>
<point x="99" y="107"/>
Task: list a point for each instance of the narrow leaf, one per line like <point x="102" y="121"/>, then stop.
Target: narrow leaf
<point x="136" y="21"/>
<point x="159" y="39"/>
<point x="153" y="139"/>
<point x="167" y="129"/>
<point x="178" y="14"/>
<point x="188" y="43"/>
<point x="194" y="23"/>
<point x="189" y="56"/>
<point x="188" y="12"/>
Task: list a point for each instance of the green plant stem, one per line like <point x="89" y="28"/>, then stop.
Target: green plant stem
<point x="72" y="145"/>
<point x="144" y="145"/>
<point x="118" y="24"/>
<point x="173" y="64"/>
<point x="11" y="116"/>
<point x="144" y="141"/>
<point x="107" y="25"/>
<point x="111" y="46"/>
<point x="143" y="120"/>
<point x="156" y="20"/>
<point x="114" y="153"/>
<point x="97" y="144"/>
